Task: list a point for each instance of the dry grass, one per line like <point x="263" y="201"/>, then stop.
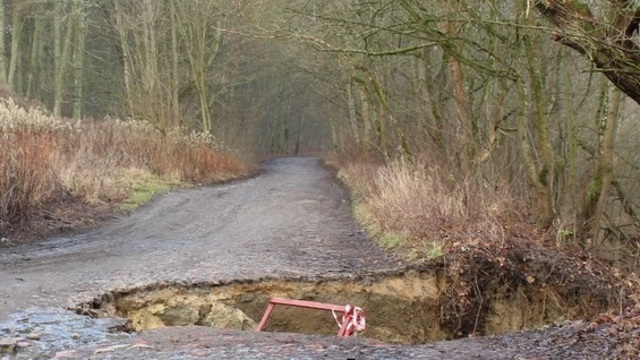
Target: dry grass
<point x="420" y="206"/>
<point x="44" y="160"/>
<point x="482" y="239"/>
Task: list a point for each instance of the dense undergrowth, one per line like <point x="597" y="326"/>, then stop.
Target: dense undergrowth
<point x="482" y="237"/>
<point x="417" y="208"/>
<point x="47" y="163"/>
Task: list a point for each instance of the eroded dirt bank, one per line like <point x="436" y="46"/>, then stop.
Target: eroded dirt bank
<point x="402" y="307"/>
<point x="285" y="233"/>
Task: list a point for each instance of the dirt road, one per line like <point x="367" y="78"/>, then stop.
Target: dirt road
<point x="291" y="221"/>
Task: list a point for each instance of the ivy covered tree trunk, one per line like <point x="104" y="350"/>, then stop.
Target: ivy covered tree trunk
<point x="597" y="195"/>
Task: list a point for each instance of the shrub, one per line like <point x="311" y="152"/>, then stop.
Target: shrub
<point x="44" y="160"/>
<point x="410" y="203"/>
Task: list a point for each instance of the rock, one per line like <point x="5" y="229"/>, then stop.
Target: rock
<point x="64" y="354"/>
<point x="23" y="356"/>
<point x="112" y="348"/>
<point x="7" y="346"/>
<point x="227" y="317"/>
<point x="180" y="316"/>
<point x="145" y="320"/>
<point x="34" y="336"/>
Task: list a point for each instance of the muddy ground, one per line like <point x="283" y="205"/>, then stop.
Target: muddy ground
<point x="293" y="221"/>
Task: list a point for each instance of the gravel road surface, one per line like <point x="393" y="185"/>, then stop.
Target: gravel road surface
<point x="291" y="221"/>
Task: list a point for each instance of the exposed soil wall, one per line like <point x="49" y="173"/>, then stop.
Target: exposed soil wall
<point x="408" y="307"/>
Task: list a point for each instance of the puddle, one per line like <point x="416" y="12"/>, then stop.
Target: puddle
<point x="399" y="308"/>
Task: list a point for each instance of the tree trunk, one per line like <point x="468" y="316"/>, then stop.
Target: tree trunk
<point x="607" y="41"/>
<point x="547" y="171"/>
<point x="175" y="81"/>
<point x="467" y="146"/>
<point x="17" y="23"/>
<point x="385" y="111"/>
<point x="605" y="163"/>
<point x="542" y="196"/>
<point x="381" y="118"/>
<point x="366" y="119"/>
<point x="201" y="52"/>
<point x="3" y="51"/>
<point x="353" y="120"/>
<point x="571" y="160"/>
<point x="127" y="65"/>
<point x="36" y="53"/>
<point x="78" y="61"/>
<point x="58" y="14"/>
<point x="597" y="196"/>
<point x="436" y="129"/>
<point x="150" y="74"/>
<point x="61" y="75"/>
<point x="334" y="135"/>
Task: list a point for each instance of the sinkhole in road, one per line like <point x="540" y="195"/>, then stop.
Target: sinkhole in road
<point x="403" y="308"/>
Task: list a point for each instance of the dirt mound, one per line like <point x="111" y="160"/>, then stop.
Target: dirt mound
<point x="486" y="276"/>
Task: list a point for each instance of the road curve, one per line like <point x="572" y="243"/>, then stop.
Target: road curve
<point x="292" y="220"/>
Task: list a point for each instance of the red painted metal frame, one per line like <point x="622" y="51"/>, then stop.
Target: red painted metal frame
<point x="308" y="305"/>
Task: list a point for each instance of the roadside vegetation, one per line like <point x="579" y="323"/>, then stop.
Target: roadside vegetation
<point x="484" y="241"/>
<point x="50" y="165"/>
<point x="476" y="138"/>
<point x="500" y="113"/>
<point x="461" y="123"/>
<point x="416" y="209"/>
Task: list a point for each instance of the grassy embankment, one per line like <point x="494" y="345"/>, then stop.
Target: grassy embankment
<point x="49" y="165"/>
<point x="416" y="209"/>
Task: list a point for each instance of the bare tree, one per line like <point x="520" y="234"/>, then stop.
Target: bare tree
<point x="606" y="37"/>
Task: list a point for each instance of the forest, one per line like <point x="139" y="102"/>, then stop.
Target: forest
<point x="447" y="116"/>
